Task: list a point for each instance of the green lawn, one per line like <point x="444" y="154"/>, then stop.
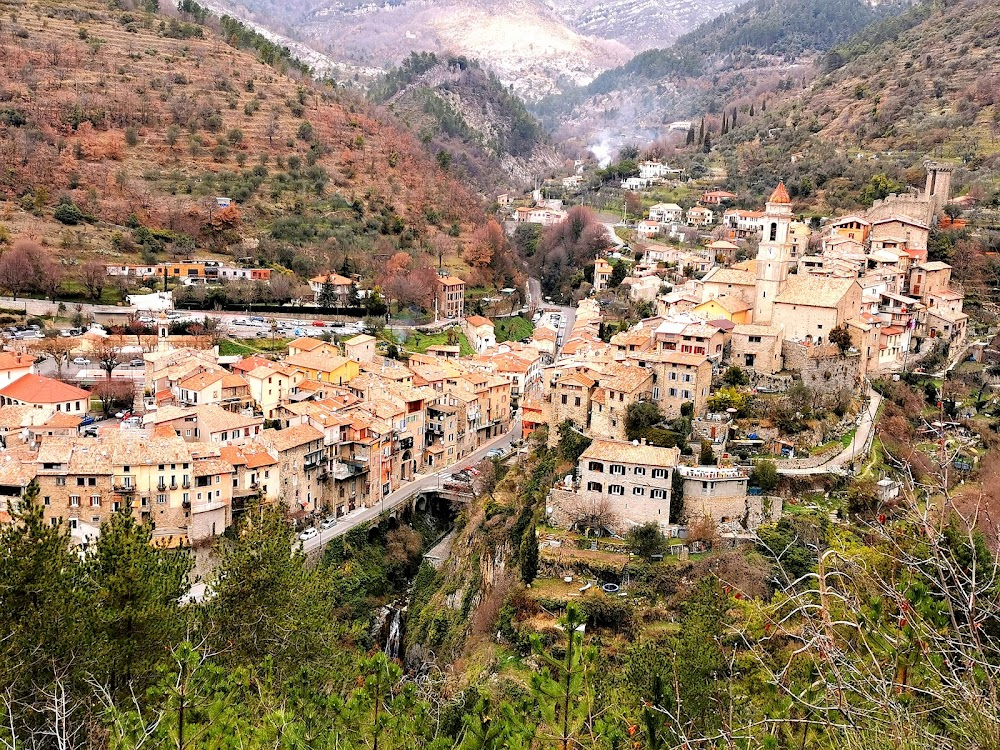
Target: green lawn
<point x="419" y="342"/>
<point x="512" y="329"/>
<point x="247" y="347"/>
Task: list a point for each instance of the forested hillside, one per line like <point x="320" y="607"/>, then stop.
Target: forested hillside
<point x="119" y="126"/>
<point x="748" y="49"/>
<point x="474" y="125"/>
<point x="924" y="84"/>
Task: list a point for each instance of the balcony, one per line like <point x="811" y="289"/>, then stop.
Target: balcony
<point x="162" y="486"/>
<point x="186" y="484"/>
<point x="123" y="485"/>
<point x="341" y="470"/>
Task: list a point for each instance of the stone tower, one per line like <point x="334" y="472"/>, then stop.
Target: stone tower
<point x="938" y="188"/>
<point x="774" y="256"/>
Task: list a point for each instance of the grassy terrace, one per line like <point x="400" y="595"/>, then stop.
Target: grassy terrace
<point x="512" y="329"/>
<point x="419" y="342"/>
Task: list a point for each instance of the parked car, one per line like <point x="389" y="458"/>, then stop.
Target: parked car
<point x="81" y="361"/>
<point x="328" y="523"/>
<point x="86" y="420"/>
<point x="123" y="415"/>
<point x="137" y="363"/>
<point x="319" y="324"/>
<point x="310" y="533"/>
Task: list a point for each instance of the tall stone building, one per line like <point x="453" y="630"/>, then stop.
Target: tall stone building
<point x="774" y="257"/>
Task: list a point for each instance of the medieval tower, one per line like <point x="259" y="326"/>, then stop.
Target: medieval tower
<point x="774" y="256"/>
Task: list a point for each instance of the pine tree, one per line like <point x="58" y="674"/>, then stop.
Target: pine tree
<point x="562" y="689"/>
<point x="135" y="589"/>
<point x="327" y="297"/>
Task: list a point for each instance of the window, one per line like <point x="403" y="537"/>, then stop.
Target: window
<point x="161" y="499"/>
<point x="618" y="470"/>
<point x="673" y="376"/>
<point x="658" y="494"/>
<point x="596" y="466"/>
<point x="687" y="377"/>
<point x="81" y="481"/>
<point x="46" y="501"/>
<point x="686" y="394"/>
<point x="60" y="481"/>
<point x="595" y="487"/>
<point x="755" y="339"/>
<point x="576" y="401"/>
<point x="564" y="399"/>
<point x="95" y="501"/>
<point x="673" y="392"/>
<point x="116" y="506"/>
<point x="616" y="489"/>
<point x="91" y="481"/>
<point x="186" y="497"/>
<point x="74" y="501"/>
<point x="638" y="491"/>
<point x="659" y="473"/>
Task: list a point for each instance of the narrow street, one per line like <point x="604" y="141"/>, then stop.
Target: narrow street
<point x="859" y="447"/>
<point x="408" y="490"/>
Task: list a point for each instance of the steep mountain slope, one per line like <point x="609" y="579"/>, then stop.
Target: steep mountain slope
<point x="924" y="84"/>
<point x="540" y="47"/>
<point x="743" y="52"/>
<point x="465" y="114"/>
<point x="140" y="120"/>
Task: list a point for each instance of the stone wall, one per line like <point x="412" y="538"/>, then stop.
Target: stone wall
<point x="823" y="368"/>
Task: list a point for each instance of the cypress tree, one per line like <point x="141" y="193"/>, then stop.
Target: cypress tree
<point x="529" y="554"/>
<point x="689" y="141"/>
<point x="701" y="132"/>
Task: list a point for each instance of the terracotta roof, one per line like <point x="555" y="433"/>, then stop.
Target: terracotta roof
<point x="213" y="418"/>
<point x="478" y="320"/>
<point x="305" y="343"/>
<point x="249" y="364"/>
<point x="626" y="452"/>
<point x="577" y="378"/>
<point x="207" y="467"/>
<point x="15" y="472"/>
<point x="734" y="276"/>
<point x="319" y="361"/>
<point x="63" y="419"/>
<point x="335" y="278"/>
<point x="12" y="361"/>
<point x="749" y="329"/>
<point x="361" y="338"/>
<point x="293" y="437"/>
<point x="450" y="281"/>
<point x="38" y="389"/>
<point x="729" y="303"/>
<point x="202" y="380"/>
<point x="780" y="194"/>
<point x="234" y="381"/>
<point x="16" y="416"/>
<point x="814" y="291"/>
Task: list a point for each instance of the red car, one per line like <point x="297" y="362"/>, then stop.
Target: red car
<point x="319" y="324"/>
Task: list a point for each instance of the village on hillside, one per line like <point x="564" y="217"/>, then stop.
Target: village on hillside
<point x="329" y="428"/>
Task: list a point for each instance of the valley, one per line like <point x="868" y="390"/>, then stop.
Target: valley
<point x="464" y="375"/>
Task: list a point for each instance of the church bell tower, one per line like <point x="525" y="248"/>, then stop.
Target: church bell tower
<point x="774" y="256"/>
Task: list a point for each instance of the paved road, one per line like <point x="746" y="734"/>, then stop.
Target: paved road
<point x="404" y="493"/>
<point x="534" y="293"/>
<point x="859" y="447"/>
